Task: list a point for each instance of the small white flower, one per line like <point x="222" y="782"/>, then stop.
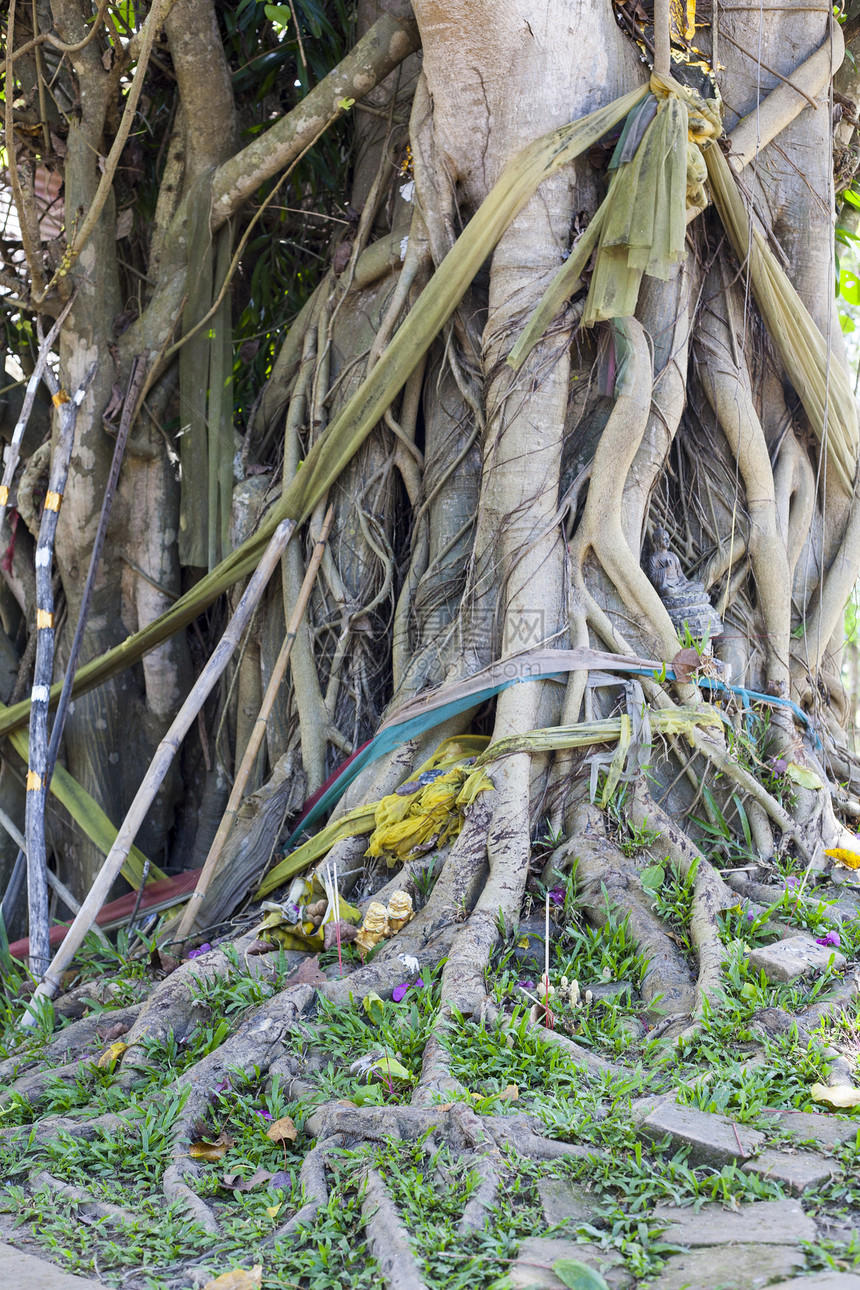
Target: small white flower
<point x="410" y="962"/>
<point x="588" y="996"/>
<point x="607" y="974"/>
<point x="575" y="996"/>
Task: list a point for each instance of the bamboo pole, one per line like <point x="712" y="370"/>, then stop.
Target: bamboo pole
<point x="37" y="786"/>
<point x="45" y="348"/>
<point x="662" y="39"/>
<point x="189" y="914"/>
<point x="158" y="768"/>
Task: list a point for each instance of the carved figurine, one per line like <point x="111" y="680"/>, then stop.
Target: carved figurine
<point x="687" y="602"/>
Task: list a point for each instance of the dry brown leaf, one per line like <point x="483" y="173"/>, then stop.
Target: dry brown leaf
<point x="112" y="1033"/>
<point x="283" y="1130"/>
<point x="260" y="946"/>
<point x="211" y="1150"/>
<point x="307" y="973"/>
<point x="235" y="1182"/>
<point x="685" y="663"/>
<point x="238" y="1279"/>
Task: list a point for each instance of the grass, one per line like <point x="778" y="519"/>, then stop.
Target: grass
<point x="712" y="1072"/>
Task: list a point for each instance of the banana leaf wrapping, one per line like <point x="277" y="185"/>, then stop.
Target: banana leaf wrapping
<point x="821" y="383"/>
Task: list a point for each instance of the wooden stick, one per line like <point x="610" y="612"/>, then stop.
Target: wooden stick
<point x="189" y="915"/>
<point x="159" y="766"/>
<point x="37" y="787"/>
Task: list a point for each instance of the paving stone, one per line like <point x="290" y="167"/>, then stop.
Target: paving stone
<point x="822" y="1281"/>
<point x="538" y="1253"/>
<point x="765" y="1222"/>
<point x="713" y="1139"/>
<point x="823" y="1129"/>
<point x="732" y="1267"/>
<point x="793" y="958"/>
<point x="563" y="1200"/>
<point x="796" y="1170"/>
<point x="19" y="1271"/>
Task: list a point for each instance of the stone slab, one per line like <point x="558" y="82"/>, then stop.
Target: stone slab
<point x="823" y="1129"/>
<point x="538" y="1253"/>
<point x="764" y="1222"/>
<point x="25" y="1272"/>
<point x="732" y="1267"/>
<point x="796" y="1170"/>
<point x="563" y="1201"/>
<point x="796" y="957"/>
<point x="822" y="1281"/>
<point x="712" y="1139"/>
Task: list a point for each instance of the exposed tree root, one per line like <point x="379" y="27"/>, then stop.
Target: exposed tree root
<point x="387" y="1237"/>
<point x="314" y="1188"/>
<point x="90" y="1209"/>
<point x="602" y="869"/>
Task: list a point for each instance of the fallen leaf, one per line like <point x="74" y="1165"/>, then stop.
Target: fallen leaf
<point x="652" y="878"/>
<point x="850" y="859"/>
<point x="238" y="1279"/>
<point x="307" y="973"/>
<point x="509" y="1094"/>
<point x="235" y="1182"/>
<point x="685" y="663"/>
<point x="374" y="1007"/>
<point x="281" y="1181"/>
<point x="211" y="1150"/>
<point x="805" y="778"/>
<point x="260" y="946"/>
<point x="578" y="1276"/>
<point x="112" y="1033"/>
<point x="273" y="1210"/>
<point x="839" y="1096"/>
<point x="162" y="965"/>
<point x="283" y="1130"/>
<point x="110" y="1055"/>
<point x="389" y="1068"/>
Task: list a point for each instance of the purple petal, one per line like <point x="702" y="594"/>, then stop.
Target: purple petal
<point x="419" y="984"/>
<point x="556" y="895"/>
<point x="526" y="985"/>
<point x="750" y="918"/>
<point x="399" y="991"/>
<point x="264" y="1115"/>
<point x="831" y="938"/>
<point x="201" y="949"/>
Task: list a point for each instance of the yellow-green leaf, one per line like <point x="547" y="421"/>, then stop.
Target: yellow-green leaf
<point x="840" y="1096"/>
<point x="805" y="778"/>
<point x="238" y="1279"/>
<point x="110" y="1054"/>
<point x="374" y="1007"/>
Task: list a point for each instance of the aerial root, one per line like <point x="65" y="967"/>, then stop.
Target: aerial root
<point x="387" y="1237"/>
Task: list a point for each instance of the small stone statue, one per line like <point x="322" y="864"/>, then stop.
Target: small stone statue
<point x="686" y="602"/>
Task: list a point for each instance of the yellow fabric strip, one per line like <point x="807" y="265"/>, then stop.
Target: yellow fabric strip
<point x="44" y="618"/>
<point x="53" y="501"/>
<point x="34" y="781"/>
